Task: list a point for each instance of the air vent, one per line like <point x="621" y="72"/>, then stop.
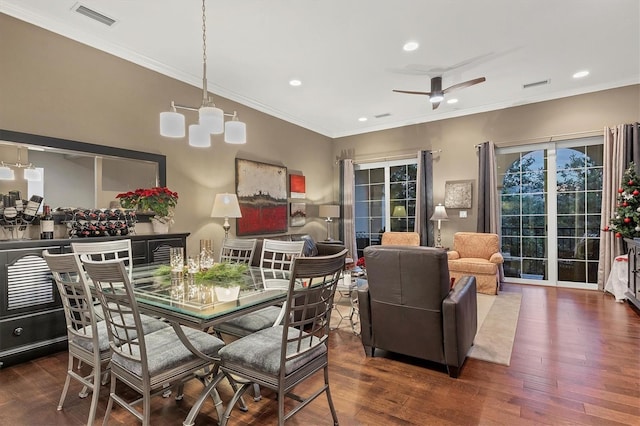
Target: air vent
<point x="386" y="114"/>
<point x="537" y="83"/>
<point x="96" y="16"/>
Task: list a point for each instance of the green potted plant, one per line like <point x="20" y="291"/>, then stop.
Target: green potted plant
<point x="160" y="200"/>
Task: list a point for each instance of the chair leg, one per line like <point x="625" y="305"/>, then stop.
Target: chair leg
<point x="281" y="396"/>
<point x="328" y="391"/>
<point x="257" y="396"/>
<point x="453" y="371"/>
<point x="146" y="408"/>
<point x="369" y="350"/>
<point x="66" y="384"/>
<point x="112" y="391"/>
<point x="97" y="373"/>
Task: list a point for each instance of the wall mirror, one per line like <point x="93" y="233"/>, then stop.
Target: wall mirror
<point x="76" y="174"/>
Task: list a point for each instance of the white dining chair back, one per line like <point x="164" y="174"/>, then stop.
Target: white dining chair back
<point x="107" y="250"/>
<point x="278" y="254"/>
<point x="238" y="250"/>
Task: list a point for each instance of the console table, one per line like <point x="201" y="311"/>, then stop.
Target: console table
<point x="32" y="320"/>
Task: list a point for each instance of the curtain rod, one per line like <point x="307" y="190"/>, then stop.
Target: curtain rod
<point x="549" y="138"/>
<point x="392" y="157"/>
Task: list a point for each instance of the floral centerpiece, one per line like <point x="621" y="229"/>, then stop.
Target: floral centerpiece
<point x="160" y="200"/>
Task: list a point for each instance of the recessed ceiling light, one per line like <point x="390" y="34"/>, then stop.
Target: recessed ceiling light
<point x="362" y="119"/>
<point x="295" y="83"/>
<point x="581" y="74"/>
<point x="410" y="46"/>
<point x="452" y="101"/>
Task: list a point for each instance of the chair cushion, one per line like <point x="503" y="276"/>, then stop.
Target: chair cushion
<point x="261" y="351"/>
<point x="165" y="350"/>
<point x="473" y="265"/>
<point x="149" y="325"/>
<point x="251" y="322"/>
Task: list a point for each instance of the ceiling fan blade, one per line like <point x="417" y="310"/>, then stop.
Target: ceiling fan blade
<point x="435" y="105"/>
<point x="464" y="84"/>
<point x="412" y="93"/>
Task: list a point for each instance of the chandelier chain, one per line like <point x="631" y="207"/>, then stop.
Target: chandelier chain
<point x="205" y="92"/>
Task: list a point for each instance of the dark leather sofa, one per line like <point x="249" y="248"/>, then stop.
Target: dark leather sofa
<point x="407" y="306"/>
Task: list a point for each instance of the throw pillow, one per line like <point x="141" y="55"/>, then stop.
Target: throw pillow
<point x="310" y="248"/>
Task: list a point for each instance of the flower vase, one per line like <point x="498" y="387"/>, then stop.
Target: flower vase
<point x="160" y="227"/>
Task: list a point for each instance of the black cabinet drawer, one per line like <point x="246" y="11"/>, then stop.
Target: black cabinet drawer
<point x="139" y="252"/>
<point x="29" y="329"/>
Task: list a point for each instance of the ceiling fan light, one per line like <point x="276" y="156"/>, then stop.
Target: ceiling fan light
<point x="235" y="132"/>
<point x="199" y="136"/>
<point x="212" y="119"/>
<point x="435" y="98"/>
<point x="172" y="124"/>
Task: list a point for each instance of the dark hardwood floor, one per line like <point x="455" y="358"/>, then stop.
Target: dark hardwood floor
<point x="576" y="360"/>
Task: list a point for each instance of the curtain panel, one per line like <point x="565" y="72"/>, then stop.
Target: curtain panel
<point x="424" y="199"/>
<point x="347" y="201"/>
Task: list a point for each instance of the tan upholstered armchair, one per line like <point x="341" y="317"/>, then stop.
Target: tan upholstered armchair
<point x="478" y="255"/>
<point x="400" y="239"/>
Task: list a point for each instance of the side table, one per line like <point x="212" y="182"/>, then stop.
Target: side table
<point x="347" y="288"/>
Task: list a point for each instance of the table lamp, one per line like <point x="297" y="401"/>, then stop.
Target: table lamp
<point x="399" y="211"/>
<point x="226" y="206"/>
<point x="329" y="211"/>
<point x="439" y="214"/>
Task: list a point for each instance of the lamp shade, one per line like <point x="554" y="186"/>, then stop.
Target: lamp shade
<point x="439" y="213"/>
<point x="399" y="211"/>
<point x="172" y="124"/>
<point x="212" y="119"/>
<point x="6" y="173"/>
<point x="329" y="210"/>
<point x="226" y="205"/>
<point x="199" y="136"/>
<point x="235" y="132"/>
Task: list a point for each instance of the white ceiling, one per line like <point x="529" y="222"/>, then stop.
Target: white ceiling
<point x="348" y="53"/>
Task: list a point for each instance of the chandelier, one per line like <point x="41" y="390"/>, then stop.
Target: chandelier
<point x="210" y="118"/>
<point x="30" y="172"/>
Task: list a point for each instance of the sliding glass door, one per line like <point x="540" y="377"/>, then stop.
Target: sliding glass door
<point x="550" y="210"/>
<point x="385" y="197"/>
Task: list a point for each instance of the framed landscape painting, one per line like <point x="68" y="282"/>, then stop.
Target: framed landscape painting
<point x="298" y="214"/>
<point x="262" y="195"/>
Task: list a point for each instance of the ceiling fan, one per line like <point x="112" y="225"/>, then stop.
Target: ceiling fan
<point x="436" y="95"/>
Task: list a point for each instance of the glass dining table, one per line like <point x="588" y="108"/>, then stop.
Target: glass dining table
<point x="180" y="298"/>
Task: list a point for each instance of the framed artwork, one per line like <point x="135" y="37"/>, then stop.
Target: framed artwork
<point x="457" y="194"/>
<point x="298" y="213"/>
<point x="297" y="186"/>
<point x="262" y="195"/>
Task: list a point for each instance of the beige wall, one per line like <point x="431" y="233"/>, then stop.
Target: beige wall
<point x="457" y="137"/>
<point x="53" y="86"/>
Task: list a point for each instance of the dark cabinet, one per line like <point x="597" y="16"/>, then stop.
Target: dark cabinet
<point x="633" y="283"/>
<point x="32" y="321"/>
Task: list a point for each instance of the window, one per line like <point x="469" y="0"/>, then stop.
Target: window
<point x="385" y="197"/>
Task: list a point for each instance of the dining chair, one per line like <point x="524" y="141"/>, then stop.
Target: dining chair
<point x="105" y="250"/>
<point x="283" y="356"/>
<point x="276" y="255"/>
<point x="149" y="363"/>
<point x="86" y="335"/>
<point x="238" y="250"/>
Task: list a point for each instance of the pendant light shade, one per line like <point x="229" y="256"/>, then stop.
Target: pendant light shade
<point x="172" y="124"/>
<point x="199" y="136"/>
<point x="6" y="173"/>
<point x="212" y="119"/>
<point x="32" y="175"/>
<point x="235" y="132"/>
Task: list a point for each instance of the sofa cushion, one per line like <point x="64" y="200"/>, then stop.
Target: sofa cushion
<point x="473" y="265"/>
<point x="310" y="248"/>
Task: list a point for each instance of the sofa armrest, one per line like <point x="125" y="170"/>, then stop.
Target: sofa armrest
<point x="460" y="321"/>
<point x="452" y="255"/>
<point x="364" y="307"/>
<point x="496" y="258"/>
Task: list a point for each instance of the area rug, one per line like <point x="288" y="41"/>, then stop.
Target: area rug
<point x="497" y="322"/>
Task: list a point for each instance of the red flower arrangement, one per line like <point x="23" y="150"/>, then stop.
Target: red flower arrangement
<point x="361" y="263"/>
<point x="160" y="200"/>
